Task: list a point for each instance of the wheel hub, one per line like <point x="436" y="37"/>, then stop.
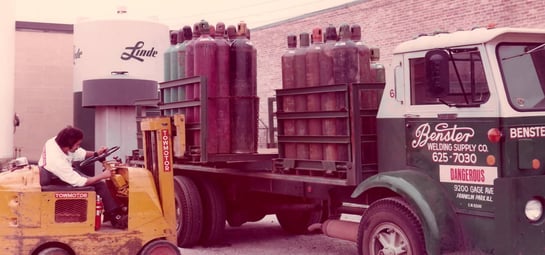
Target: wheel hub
<point x="390" y="240"/>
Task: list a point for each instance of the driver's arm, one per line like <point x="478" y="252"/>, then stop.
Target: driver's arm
<point x="94" y="179"/>
<point x="98" y="152"/>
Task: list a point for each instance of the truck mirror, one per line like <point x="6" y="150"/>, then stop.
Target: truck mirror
<point x="437" y="72"/>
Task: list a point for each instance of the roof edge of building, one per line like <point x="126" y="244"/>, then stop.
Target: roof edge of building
<point x="307" y="15"/>
<point x="44" y="27"/>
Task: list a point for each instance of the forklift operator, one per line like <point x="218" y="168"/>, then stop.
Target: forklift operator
<point x="56" y="169"/>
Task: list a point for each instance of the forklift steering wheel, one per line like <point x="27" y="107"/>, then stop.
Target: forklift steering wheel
<point x="100" y="157"/>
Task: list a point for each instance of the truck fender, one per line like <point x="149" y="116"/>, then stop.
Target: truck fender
<point x="428" y="199"/>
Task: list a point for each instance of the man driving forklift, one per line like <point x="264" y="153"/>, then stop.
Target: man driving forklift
<point x="56" y="169"/>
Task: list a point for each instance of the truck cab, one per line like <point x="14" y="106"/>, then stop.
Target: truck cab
<point x="461" y="122"/>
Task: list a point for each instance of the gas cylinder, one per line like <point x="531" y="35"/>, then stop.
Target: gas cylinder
<point x="377" y="69"/>
<point x="189" y="72"/>
<point x="301" y="125"/>
<point x="224" y="114"/>
<point x="312" y="61"/>
<point x="186" y="37"/>
<point x="326" y="67"/>
<point x="166" y="55"/>
<point x="345" y="68"/>
<point x="190" y="52"/>
<point x="328" y="99"/>
<point x="345" y="58"/>
<point x="364" y="63"/>
<point x="231" y="33"/>
<point x="174" y="72"/>
<point x="242" y="61"/>
<point x="205" y="65"/>
<point x="98" y="213"/>
<point x="288" y="103"/>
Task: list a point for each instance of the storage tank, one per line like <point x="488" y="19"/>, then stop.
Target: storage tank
<point x="7" y="79"/>
<point x="132" y="45"/>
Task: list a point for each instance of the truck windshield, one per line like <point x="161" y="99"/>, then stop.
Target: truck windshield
<point x="523" y="70"/>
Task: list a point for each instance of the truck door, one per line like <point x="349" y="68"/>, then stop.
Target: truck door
<point x="450" y="125"/>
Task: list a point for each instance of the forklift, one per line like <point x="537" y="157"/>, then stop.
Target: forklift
<point x="66" y="220"/>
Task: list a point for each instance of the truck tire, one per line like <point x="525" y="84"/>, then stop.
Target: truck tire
<point x="390" y="226"/>
<point x="297" y="221"/>
<point x="160" y="247"/>
<point x="189" y="212"/>
<point x="214" y="212"/>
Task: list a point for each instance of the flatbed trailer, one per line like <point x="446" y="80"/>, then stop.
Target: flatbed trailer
<point x="442" y="158"/>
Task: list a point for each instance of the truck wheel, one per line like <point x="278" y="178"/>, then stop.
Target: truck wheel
<point x="53" y="251"/>
<point x="297" y="221"/>
<point x="214" y="212"/>
<point x="390" y="226"/>
<point x="160" y="247"/>
<point x="189" y="213"/>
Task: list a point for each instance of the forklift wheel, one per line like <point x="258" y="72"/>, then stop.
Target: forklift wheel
<point x="160" y="247"/>
<point x="53" y="251"/>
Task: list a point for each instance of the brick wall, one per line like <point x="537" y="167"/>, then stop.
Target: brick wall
<point x="386" y="23"/>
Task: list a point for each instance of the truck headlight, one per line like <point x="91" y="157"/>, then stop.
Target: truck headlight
<point x="533" y="210"/>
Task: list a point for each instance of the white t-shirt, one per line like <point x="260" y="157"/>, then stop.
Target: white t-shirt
<point x="60" y="164"/>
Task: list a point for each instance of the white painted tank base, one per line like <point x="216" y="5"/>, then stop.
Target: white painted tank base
<point x="116" y="126"/>
<point x="7" y="79"/>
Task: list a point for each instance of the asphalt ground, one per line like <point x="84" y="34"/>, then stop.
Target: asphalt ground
<point x="266" y="237"/>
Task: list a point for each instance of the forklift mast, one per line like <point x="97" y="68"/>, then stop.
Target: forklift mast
<point x="157" y="137"/>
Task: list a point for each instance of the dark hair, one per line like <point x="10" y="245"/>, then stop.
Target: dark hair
<point x="68" y="136"/>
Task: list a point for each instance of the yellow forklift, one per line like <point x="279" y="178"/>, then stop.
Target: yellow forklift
<point x="64" y="220"/>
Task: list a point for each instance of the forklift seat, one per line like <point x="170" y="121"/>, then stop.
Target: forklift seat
<point x="67" y="188"/>
<point x="50" y="182"/>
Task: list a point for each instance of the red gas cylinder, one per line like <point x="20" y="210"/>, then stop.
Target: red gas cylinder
<point x="345" y="69"/>
<point x="345" y="57"/>
<point x="231" y="33"/>
<point x="326" y="67"/>
<point x="205" y="65"/>
<point x="244" y="105"/>
<point x="364" y="54"/>
<point x="301" y="125"/>
<point x="288" y="103"/>
<point x="328" y="100"/>
<point x="313" y="56"/>
<point x="224" y="113"/>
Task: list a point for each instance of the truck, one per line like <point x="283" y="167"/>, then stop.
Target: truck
<point x="441" y="158"/>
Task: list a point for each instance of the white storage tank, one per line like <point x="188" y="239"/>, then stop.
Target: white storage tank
<point x="103" y="49"/>
<point x="7" y="79"/>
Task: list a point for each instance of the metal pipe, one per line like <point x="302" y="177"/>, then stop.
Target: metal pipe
<point x="345" y="230"/>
